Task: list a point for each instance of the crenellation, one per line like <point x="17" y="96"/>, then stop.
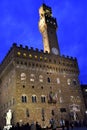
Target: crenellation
<point x="23" y="53"/>
<point x="14" y="44"/>
<point x="36" y="49"/>
<point x="31" y="48"/>
<point x="21" y="46"/>
<point x="26" y="47"/>
<point x="41" y="50"/>
<point x="65" y="57"/>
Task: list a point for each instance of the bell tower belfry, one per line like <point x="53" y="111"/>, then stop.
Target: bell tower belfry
<point x="48" y="27"/>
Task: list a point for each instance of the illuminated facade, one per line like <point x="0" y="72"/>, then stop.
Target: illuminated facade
<point x="84" y="92"/>
<point x="39" y="85"/>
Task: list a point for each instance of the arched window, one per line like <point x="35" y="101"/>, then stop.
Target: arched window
<point x="32" y="76"/>
<point x="74" y="82"/>
<point x="40" y="78"/>
<point x="78" y="99"/>
<point x="58" y="81"/>
<point x="72" y="98"/>
<point x="43" y="98"/>
<point x="68" y="81"/>
<point x="23" y="76"/>
<point x="34" y="99"/>
<point x="24" y="99"/>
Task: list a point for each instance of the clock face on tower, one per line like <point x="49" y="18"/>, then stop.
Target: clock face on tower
<point x="55" y="51"/>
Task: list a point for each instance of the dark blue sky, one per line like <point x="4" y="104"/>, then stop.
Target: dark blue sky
<point x="19" y="23"/>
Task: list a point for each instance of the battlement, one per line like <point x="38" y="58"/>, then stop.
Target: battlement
<point x="68" y="57"/>
<point x="46" y="7"/>
<point x="28" y="50"/>
<point x="31" y="54"/>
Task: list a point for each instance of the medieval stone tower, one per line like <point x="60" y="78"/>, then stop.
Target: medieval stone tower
<point x="48" y="27"/>
<point x="37" y="85"/>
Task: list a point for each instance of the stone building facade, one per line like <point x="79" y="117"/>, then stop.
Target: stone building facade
<point x="84" y="92"/>
<point x="39" y="85"/>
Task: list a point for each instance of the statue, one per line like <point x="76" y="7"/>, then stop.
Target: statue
<point x="74" y="112"/>
<point x="8" y="117"/>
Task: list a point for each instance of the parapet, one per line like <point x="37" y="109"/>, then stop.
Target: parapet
<point x="35" y="54"/>
<point x="68" y="57"/>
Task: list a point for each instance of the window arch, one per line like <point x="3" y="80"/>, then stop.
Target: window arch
<point x="40" y="78"/>
<point x="58" y="81"/>
<point x="68" y="81"/>
<point x="24" y="98"/>
<point x="23" y="76"/>
<point x="34" y="99"/>
<point x="32" y="76"/>
<point x="74" y="82"/>
<point x="43" y="98"/>
<point x="72" y="98"/>
<point x="78" y="99"/>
